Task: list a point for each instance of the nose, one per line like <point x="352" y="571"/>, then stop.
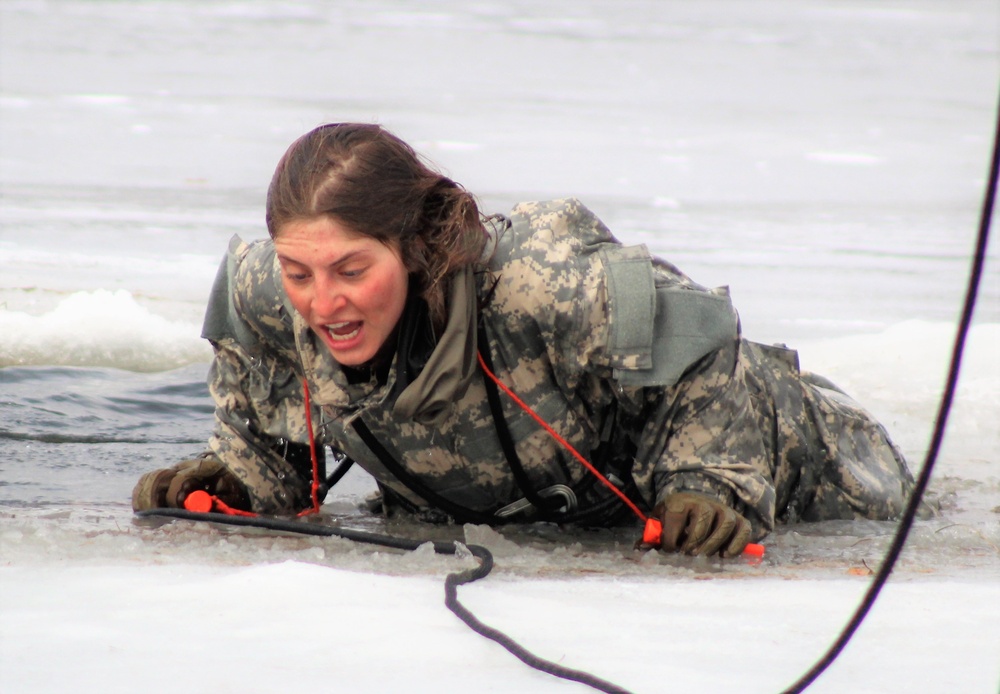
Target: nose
<point x="327" y="299"/>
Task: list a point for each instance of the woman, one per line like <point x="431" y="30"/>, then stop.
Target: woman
<point x="385" y="301"/>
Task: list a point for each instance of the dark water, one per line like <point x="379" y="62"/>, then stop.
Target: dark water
<point x="84" y="435"/>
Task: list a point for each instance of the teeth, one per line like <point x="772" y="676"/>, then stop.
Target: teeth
<point x="331" y="329"/>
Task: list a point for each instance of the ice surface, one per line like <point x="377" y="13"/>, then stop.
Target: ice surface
<point x="355" y="632"/>
<point x="202" y="627"/>
<point x="99" y="328"/>
<point x="823" y="159"/>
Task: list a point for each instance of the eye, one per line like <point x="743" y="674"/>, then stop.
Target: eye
<point x="296" y="277"/>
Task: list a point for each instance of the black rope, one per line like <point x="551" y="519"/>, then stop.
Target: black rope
<point x="414" y="484"/>
<point x="346" y="464"/>
<point x="543" y="506"/>
<point x="972" y="291"/>
<point x="451" y="583"/>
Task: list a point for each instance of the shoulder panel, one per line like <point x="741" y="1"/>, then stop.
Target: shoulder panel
<point x="247" y="303"/>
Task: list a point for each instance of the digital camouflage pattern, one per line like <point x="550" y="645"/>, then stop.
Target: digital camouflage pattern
<point x="638" y="367"/>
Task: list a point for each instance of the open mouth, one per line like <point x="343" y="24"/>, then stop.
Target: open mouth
<point x="345" y="330"/>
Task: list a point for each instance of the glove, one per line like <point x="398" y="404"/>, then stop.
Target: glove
<point x="699" y="524"/>
<point x="167" y="488"/>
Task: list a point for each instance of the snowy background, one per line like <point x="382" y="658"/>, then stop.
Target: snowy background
<point x="824" y="159"/>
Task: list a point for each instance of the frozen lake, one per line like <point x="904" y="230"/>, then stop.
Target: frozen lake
<point x="824" y="159"/>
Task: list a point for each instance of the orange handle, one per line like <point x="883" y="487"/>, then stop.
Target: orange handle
<point x="198" y="501"/>
<point x="201" y="501"/>
<point x="651" y="534"/>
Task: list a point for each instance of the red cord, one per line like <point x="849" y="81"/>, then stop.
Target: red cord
<point x="312" y="453"/>
<point x="222" y="507"/>
<point x="653" y="530"/>
<point x="201" y="501"/>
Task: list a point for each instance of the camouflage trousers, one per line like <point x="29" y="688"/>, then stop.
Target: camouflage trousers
<point x="830" y="458"/>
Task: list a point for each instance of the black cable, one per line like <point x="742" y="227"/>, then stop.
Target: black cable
<point x="346" y="464"/>
<point x="414" y="483"/>
<point x="451" y="582"/>
<point x="972" y="291"/>
<point x="543" y="506"/>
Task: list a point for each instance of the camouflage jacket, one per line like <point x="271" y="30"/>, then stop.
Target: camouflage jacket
<point x="636" y="366"/>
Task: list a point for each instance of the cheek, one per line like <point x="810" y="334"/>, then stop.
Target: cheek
<point x="387" y="295"/>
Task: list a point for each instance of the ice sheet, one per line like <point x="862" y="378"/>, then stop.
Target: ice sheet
<point x="824" y="159"/>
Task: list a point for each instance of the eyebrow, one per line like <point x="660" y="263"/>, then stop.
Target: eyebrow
<point x="339" y="261"/>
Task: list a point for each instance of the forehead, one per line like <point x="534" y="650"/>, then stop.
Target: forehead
<point x="318" y="228"/>
<point x="324" y="239"/>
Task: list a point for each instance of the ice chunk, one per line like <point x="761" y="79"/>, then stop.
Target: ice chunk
<point x="489" y="538"/>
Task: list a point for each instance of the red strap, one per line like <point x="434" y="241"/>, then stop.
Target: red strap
<point x="652" y="525"/>
<point x="652" y="532"/>
<point x="312" y="453"/>
<point x="201" y="501"/>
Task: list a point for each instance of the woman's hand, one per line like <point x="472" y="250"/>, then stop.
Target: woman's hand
<point x="168" y="487"/>
<point x="698" y="524"/>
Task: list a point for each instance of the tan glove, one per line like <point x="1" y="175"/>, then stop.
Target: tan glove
<point x="698" y="524"/>
<point x="167" y="488"/>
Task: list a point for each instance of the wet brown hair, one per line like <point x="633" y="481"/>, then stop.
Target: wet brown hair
<point x="368" y="179"/>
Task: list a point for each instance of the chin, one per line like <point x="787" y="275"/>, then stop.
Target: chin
<point x="350" y="357"/>
<point x="351" y="361"/>
<point x="362" y="355"/>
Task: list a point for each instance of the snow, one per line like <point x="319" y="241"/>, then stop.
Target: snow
<point x="100" y="328"/>
<point x="823" y="158"/>
<point x="195" y="607"/>
<point x="203" y="628"/>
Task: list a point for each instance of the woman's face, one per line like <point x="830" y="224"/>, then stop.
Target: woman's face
<point x="350" y="288"/>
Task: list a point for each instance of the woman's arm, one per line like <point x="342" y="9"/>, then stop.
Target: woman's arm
<point x="260" y="421"/>
<point x="258" y="457"/>
<point x="703" y="436"/>
<point x="665" y="347"/>
<point x="260" y="432"/>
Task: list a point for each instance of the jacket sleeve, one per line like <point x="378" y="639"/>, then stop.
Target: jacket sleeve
<point x="260" y="432"/>
<point x="666" y="348"/>
<point x="703" y="435"/>
<point x="701" y="432"/>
